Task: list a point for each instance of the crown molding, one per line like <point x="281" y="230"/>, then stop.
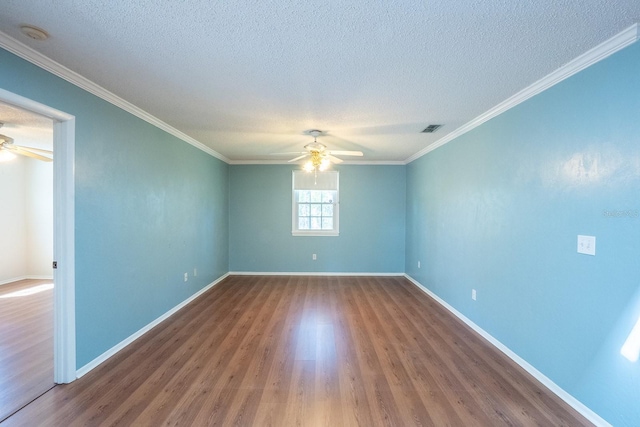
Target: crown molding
<point x="587" y="59"/>
<point x="598" y="53"/>
<point x="25" y="52"/>
<point x="346" y="162"/>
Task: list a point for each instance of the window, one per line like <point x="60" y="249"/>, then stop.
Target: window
<point x="315" y="204"/>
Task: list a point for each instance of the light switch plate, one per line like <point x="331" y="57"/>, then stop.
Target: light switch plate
<point x="587" y="245"/>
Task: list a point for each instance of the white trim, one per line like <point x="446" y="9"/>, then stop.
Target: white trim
<point x="598" y="53"/>
<point x="373" y="163"/>
<point x="27" y="277"/>
<point x="25" y="52"/>
<point x="327" y="181"/>
<point x="15" y="279"/>
<point x="122" y="344"/>
<point x="64" y="250"/>
<point x="553" y="387"/>
<point x="345" y="162"/>
<point x="587" y="59"/>
<point x="310" y="273"/>
<point x="64" y="352"/>
<point x="314" y="233"/>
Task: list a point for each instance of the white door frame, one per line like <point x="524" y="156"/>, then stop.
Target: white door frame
<point x="64" y="330"/>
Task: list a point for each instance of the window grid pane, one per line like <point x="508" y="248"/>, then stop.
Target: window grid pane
<point x="317" y="215"/>
<point x="304" y="196"/>
<point x="303" y="223"/>
<point x="316" y="223"/>
<point x="327" y="223"/>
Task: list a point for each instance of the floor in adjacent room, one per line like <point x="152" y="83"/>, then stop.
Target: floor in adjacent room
<point x="309" y="351"/>
<point x="26" y="343"/>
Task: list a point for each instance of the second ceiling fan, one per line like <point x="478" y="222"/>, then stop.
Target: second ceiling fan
<point x="7" y="145"/>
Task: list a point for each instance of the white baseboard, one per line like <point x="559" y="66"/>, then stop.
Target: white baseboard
<point x="28" y="277"/>
<point x="307" y="273"/>
<point x="15" y="279"/>
<point x="556" y="389"/>
<point x="122" y="344"/>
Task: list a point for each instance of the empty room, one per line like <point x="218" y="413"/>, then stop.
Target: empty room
<point x="323" y="213"/>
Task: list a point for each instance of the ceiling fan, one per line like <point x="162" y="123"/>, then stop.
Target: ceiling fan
<point x="7" y="146"/>
<point x="319" y="157"/>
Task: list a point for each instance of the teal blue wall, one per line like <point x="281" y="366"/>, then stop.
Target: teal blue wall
<point x="372" y="214"/>
<point x="499" y="210"/>
<point x="149" y="208"/>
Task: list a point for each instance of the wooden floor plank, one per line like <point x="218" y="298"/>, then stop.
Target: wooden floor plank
<point x="26" y="343"/>
<point x="308" y="351"/>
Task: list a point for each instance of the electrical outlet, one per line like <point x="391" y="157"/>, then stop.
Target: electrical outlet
<point x="186" y="276"/>
<point x="313" y="257"/>
<point x="418" y="264"/>
<point x="473" y="294"/>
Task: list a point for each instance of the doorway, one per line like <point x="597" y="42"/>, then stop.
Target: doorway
<point x="64" y="345"/>
<point x="26" y="242"/>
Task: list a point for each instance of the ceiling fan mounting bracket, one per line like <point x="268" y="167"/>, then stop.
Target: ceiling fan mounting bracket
<point x="313" y="132"/>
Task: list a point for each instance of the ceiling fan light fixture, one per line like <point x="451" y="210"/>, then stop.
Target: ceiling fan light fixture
<point x="319" y="159"/>
<point x="6" y="156"/>
<point x="308" y="166"/>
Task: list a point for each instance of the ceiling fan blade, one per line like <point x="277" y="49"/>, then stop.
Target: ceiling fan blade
<point x="288" y="153"/>
<point x="27" y="153"/>
<point x="33" y="149"/>
<point x="347" y="153"/>
<point x="334" y="159"/>
<point x="298" y="158"/>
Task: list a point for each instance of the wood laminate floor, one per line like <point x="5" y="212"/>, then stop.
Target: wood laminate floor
<point x="305" y="351"/>
<point x="26" y="343"/>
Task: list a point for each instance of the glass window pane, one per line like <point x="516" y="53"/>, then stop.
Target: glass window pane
<point x="303" y="210"/>
<point x="328" y="196"/>
<point x="316" y="210"/>
<point x="316" y="196"/>
<point x="304" y="196"/>
<point x="303" y="223"/>
<point x="327" y="223"/>
<point x="316" y="223"/>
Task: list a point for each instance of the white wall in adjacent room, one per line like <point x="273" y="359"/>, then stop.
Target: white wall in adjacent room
<point x="26" y="219"/>
<point x="39" y="218"/>
<point x="13" y="235"/>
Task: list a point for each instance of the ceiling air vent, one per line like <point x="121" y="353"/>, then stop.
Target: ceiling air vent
<point x="431" y="128"/>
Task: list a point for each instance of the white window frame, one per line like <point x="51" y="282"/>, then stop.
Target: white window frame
<point x="321" y="179"/>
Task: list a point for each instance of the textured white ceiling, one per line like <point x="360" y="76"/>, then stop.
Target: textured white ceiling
<point x="247" y="78"/>
<point x="26" y="128"/>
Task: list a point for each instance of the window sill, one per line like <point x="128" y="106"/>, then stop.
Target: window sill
<point x="316" y="233"/>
